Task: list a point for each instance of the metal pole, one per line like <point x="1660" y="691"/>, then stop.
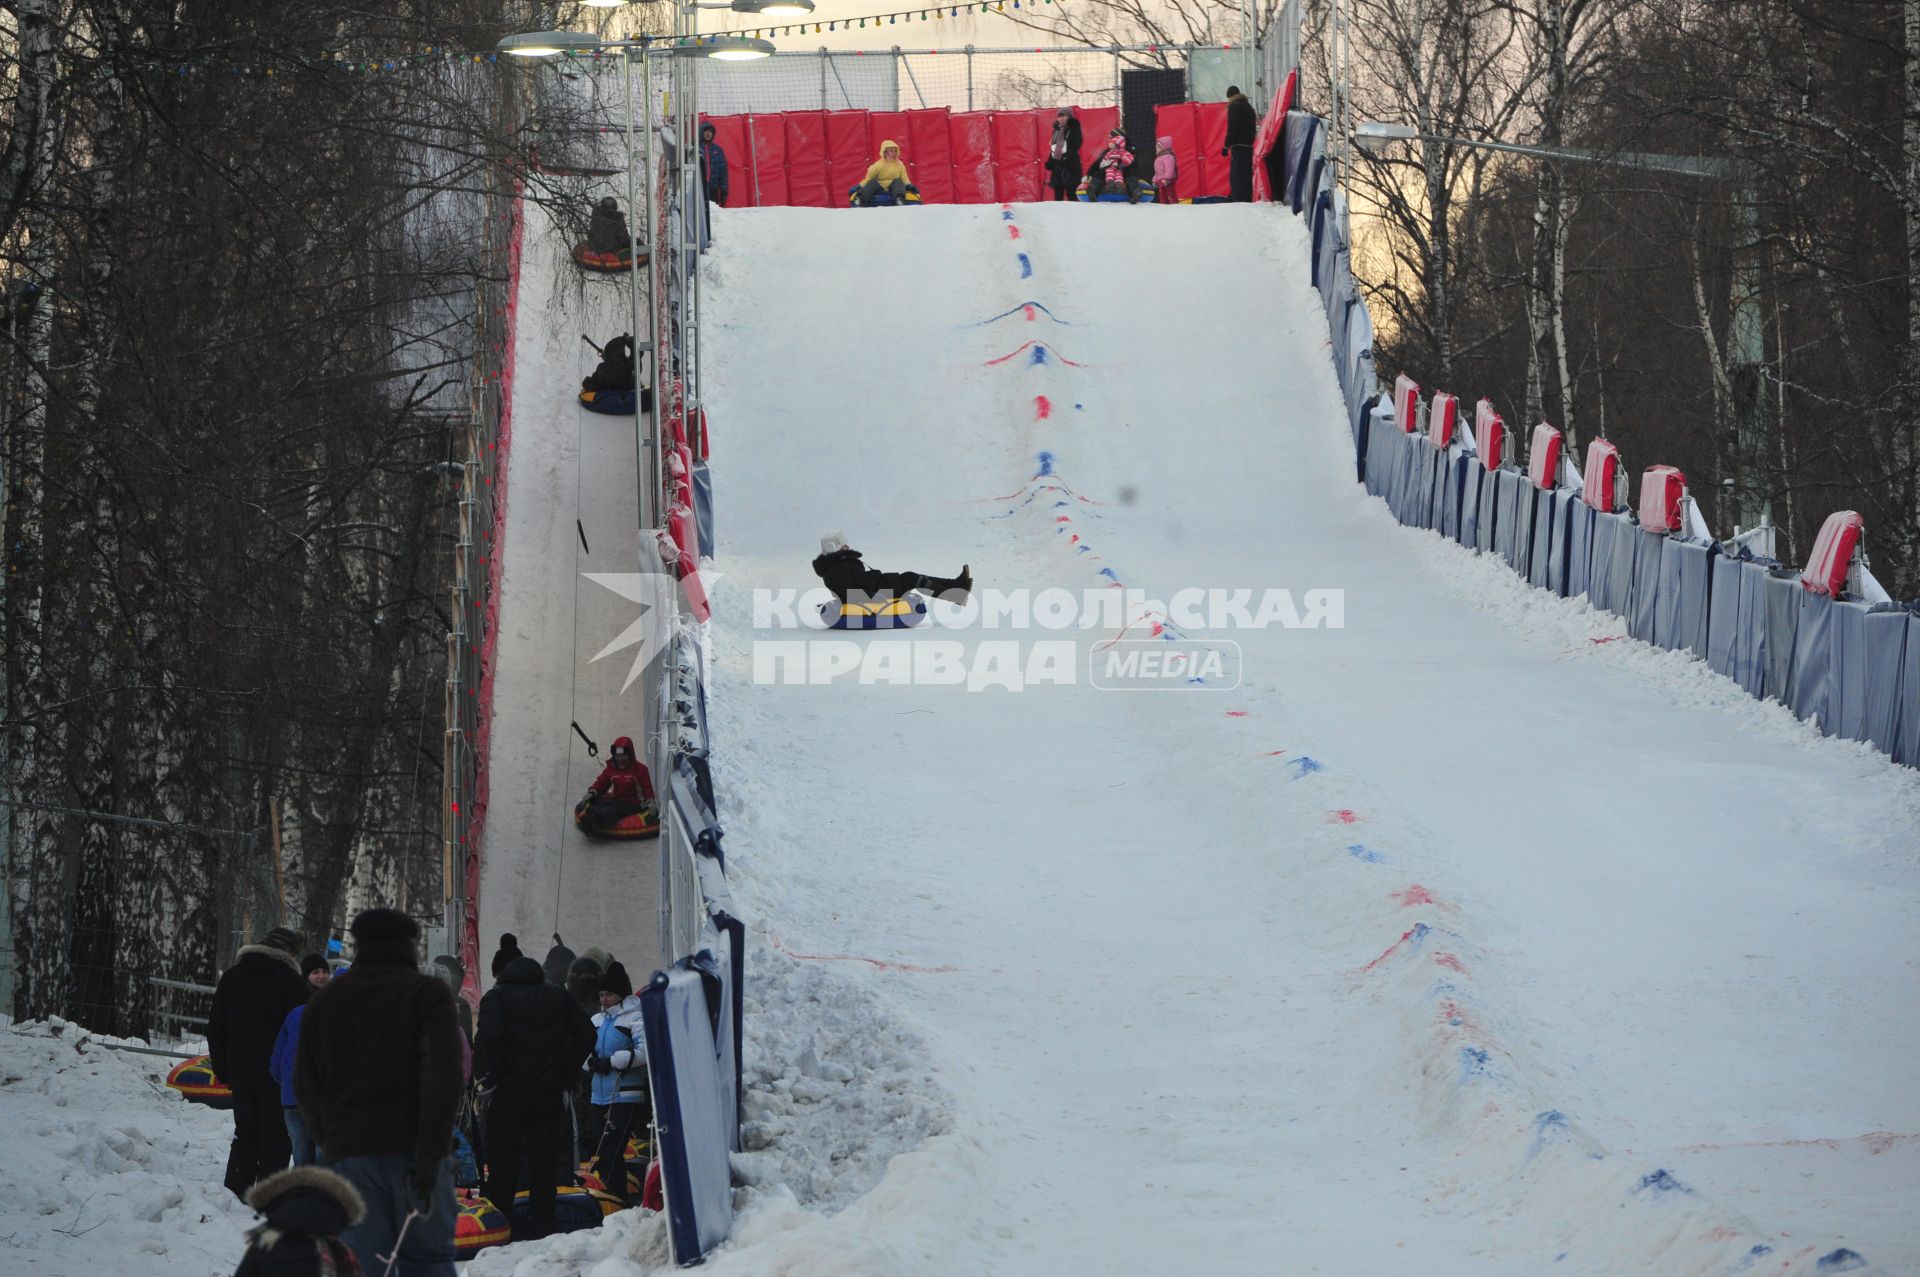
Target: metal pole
<point x="643" y="436"/>
<point x="823" y="77"/>
<point x="969" y="77"/>
<point x="650" y="431"/>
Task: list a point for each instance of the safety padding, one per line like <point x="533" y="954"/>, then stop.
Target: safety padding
<point x="611" y="403"/>
<point x="1684" y="603"/>
<point x="606" y="263"/>
<point x="194" y="1079"/>
<point x="1644" y="603"/>
<point x="763" y="174"/>
<point x="1486" y="515"/>
<point x="1416" y="482"/>
<point x="1489" y="435"/>
<point x="1513" y="533"/>
<point x="807" y="167"/>
<point x="1662" y="488"/>
<point x="1199" y="131"/>
<point x="900" y="613"/>
<point x="1833" y="551"/>
<point x="1324" y="252"/>
<point x="1602" y="473"/>
<point x="1406" y="402"/>
<point x="683" y="1070"/>
<point x="640" y="825"/>
<point x="1300" y="129"/>
<point x="1466" y="529"/>
<point x="1906" y="725"/>
<point x="1552" y="526"/>
<point x="1780" y="619"/>
<point x="1813" y="660"/>
<point x="1020" y="141"/>
<point x="1888" y="633"/>
<point x="972" y="145"/>
<point x="1269" y="155"/>
<point x="847" y="153"/>
<point x="1453" y="480"/>
<point x="1868" y="645"/>
<point x="1722" y="614"/>
<point x="1580" y="518"/>
<point x="479" y="1224"/>
<point x="929" y="143"/>
<point x="1443" y="415"/>
<point x="1543" y="458"/>
<point x="703" y="507"/>
<point x="1736" y="623"/>
<point x="1610" y="571"/>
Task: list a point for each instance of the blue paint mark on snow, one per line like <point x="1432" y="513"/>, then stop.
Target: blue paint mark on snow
<point x="1046" y="464"/>
<point x="1108" y="573"/>
<point x="1039" y="355"/>
<point x="1661" y="1182"/>
<point x="1079" y="407"/>
<point x="1026" y="267"/>
<point x="1367" y="854"/>
<point x="1840" y="1261"/>
<point x="1473" y="1064"/>
<point x="1305" y="766"/>
<point x="1548" y="1127"/>
<point x="1006" y="215"/>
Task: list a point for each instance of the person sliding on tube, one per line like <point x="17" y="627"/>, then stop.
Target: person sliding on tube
<point x="623" y="789"/>
<point x="886" y="174"/>
<point x="850" y="579"/>
<point x="615" y="370"/>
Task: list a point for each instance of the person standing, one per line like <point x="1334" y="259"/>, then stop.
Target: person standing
<point x="378" y="1074"/>
<point x="249" y="1005"/>
<point x="619" y="1067"/>
<point x="533" y="1036"/>
<point x="1241" y="126"/>
<point x="1063" y="154"/>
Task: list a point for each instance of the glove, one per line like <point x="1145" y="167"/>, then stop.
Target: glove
<point x="600" y="1064"/>
<point x="421" y="1181"/>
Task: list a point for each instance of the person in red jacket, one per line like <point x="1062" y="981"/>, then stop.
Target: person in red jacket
<point x="622" y="789"/>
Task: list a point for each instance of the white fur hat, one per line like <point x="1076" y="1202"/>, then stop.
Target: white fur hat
<point x="833" y="543"/>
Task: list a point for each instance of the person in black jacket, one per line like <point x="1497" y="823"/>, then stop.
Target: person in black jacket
<point x="615" y="369"/>
<point x="848" y="576"/>
<point x="509" y="950"/>
<point x="534" y="1037"/>
<point x="1241" y="126"/>
<point x="307" y="1208"/>
<point x="607" y="229"/>
<point x="249" y="1005"/>
<point x="1063" y="154"/>
<point x="379" y="1075"/>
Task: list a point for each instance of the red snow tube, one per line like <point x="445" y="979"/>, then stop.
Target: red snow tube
<point x="194" y="1079"/>
<point x="642" y="824"/>
<point x="1603" y="469"/>
<point x="1406" y="395"/>
<point x="1833" y="551"/>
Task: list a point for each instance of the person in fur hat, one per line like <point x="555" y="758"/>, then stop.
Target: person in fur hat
<point x="249" y="1005"/>
<point x="619" y="1068"/>
<point x="306" y="1210"/>
<point x="843" y="571"/>
<point x="378" y="1073"/>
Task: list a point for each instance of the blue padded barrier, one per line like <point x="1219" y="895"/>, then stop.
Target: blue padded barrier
<point x="1885" y="641"/>
<point x="1780" y="599"/>
<point x="1566" y="512"/>
<point x="690" y="1101"/>
<point x="1723" y="616"/>
<point x="1847" y="691"/>
<point x="1453" y="469"/>
<point x="1323" y="243"/>
<point x="1380" y="451"/>
<point x="1610" y="577"/>
<point x="1580" y="517"/>
<point x="1486" y="519"/>
<point x="1549" y="541"/>
<point x="1814" y="643"/>
<point x="703" y="507"/>
<point x="1681" y="614"/>
<point x="1516" y="515"/>
<point x="1646" y="584"/>
<point x="1473" y="477"/>
<point x="1503" y="527"/>
<point x="1906" y="725"/>
<point x="1412" y="488"/>
<point x="1750" y="631"/>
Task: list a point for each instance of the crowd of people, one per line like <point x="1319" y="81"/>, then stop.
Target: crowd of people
<point x="367" y="1077"/>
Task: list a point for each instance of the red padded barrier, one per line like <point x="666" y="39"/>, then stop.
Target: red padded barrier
<point x="807" y="183"/>
<point x="1603" y="469"/>
<point x="1661" y="489"/>
<point x="1094" y="123"/>
<point x="1833" y="551"/>
<point x="1213" y="176"/>
<point x="730" y="132"/>
<point x="1178" y="121"/>
<point x="972" y="136"/>
<point x="1406" y="394"/>
<point x="1443" y="414"/>
<point x="1489" y="435"/>
<point x="1019" y="151"/>
<point x="847" y="156"/>
<point x="1543" y="458"/>
<point x="1268" y="137"/>
<point x="929" y="148"/>
<point x="768" y="143"/>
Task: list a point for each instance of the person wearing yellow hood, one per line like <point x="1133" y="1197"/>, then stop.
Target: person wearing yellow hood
<point x="887" y="174"/>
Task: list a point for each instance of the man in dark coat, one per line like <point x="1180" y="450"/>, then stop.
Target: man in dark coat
<point x="379" y="1075"/>
<point x="509" y="950"/>
<point x="615" y="369"/>
<point x="534" y="1037"/>
<point x="607" y="229"/>
<point x="848" y="576"/>
<point x="1063" y="154"/>
<point x="713" y="165"/>
<point x="1241" y="126"/>
<point x="249" y="1005"/>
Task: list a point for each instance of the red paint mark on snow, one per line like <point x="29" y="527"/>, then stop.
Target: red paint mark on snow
<point x="1453" y="1016"/>
<point x="1343" y="816"/>
<point x="1388" y="951"/>
<point x="1030" y="313"/>
<point x="1061" y="518"/>
<point x="1611" y="638"/>
<point x="1013" y="232"/>
<point x="1448" y="961"/>
<point x="1273" y="753"/>
<point x="1042" y="407"/>
<point x="1236" y="713"/>
<point x="1413" y="895"/>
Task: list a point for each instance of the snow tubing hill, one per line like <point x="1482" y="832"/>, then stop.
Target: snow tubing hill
<point x="642" y="824"/>
<point x="900" y="613"/>
<point x="605" y="263"/>
<point x="194" y="1079"/>
<point x="615" y="403"/>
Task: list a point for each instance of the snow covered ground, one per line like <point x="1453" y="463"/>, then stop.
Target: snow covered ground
<point x="1469" y="937"/>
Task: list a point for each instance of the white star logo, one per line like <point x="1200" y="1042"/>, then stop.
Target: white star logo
<point x="650" y="631"/>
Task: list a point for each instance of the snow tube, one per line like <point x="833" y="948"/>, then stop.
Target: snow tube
<point x="1142" y="193"/>
<point x="604" y="263"/>
<point x="642" y="824"/>
<point x="592" y="1181"/>
<point x="900" y="613"/>
<point x="479" y="1224"/>
<point x="194" y="1079"/>
<point x="574" y="1208"/>
<point x="883" y="199"/>
<point x="651" y="1196"/>
<point x="614" y="403"/>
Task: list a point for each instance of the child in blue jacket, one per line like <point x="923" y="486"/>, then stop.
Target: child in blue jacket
<point x="619" y="1065"/>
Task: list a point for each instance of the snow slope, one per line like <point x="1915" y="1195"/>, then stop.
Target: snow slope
<point x="1452" y="932"/>
<point x="572" y="508"/>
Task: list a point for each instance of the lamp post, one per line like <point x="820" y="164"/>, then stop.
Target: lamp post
<point x="1748" y="335"/>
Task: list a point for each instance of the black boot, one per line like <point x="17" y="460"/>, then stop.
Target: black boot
<point x="955" y="589"/>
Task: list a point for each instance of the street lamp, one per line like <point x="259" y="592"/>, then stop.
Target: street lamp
<point x="1748" y="328"/>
